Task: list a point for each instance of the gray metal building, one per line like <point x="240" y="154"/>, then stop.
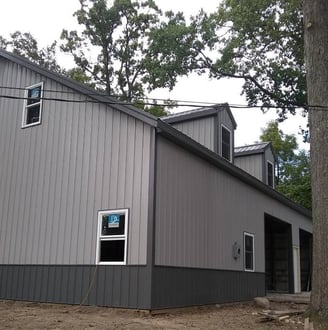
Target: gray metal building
<point x="104" y="204"/>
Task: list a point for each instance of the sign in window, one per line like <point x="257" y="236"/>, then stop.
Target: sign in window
<point x="112" y="236"/>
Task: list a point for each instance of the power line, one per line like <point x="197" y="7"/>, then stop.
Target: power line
<point x="145" y="101"/>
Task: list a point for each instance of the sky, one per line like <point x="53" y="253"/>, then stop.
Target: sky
<point x="45" y="19"/>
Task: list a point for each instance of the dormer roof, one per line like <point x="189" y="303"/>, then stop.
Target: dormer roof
<point x="200" y="113"/>
<point x="253" y="149"/>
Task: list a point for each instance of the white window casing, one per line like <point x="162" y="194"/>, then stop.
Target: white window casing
<point x="113" y="233"/>
<point x="224" y="143"/>
<point x="249" y="252"/>
<point x="32" y="110"/>
<point x="270" y="174"/>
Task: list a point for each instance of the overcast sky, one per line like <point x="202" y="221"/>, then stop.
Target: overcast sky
<point x="45" y="19"/>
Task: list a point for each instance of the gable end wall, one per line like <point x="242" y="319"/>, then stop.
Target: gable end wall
<point x="54" y="177"/>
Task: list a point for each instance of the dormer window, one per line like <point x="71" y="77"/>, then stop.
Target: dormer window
<point x="32" y="105"/>
<point x="226" y="143"/>
<point x="270" y="174"/>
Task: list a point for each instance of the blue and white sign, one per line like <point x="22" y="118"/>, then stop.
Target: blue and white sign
<point x="113" y="221"/>
<point x="35" y="92"/>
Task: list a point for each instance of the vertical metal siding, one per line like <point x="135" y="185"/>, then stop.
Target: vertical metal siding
<point x="54" y="177"/>
<point x="178" y="287"/>
<point x="201" y="130"/>
<point x="201" y="211"/>
<point x="117" y="286"/>
<point x="252" y="164"/>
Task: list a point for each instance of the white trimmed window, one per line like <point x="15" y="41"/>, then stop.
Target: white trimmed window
<point x="249" y="255"/>
<point x="112" y="237"/>
<point x="32" y="105"/>
<point x="226" y="143"/>
<point x="270" y="174"/>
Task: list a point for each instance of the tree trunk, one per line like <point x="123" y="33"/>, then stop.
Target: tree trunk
<point x="316" y="60"/>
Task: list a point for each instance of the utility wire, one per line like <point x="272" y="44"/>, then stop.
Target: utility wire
<point x="175" y="103"/>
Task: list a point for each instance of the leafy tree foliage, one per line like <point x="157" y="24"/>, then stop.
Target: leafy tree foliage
<point x="24" y="44"/>
<point x="293" y="169"/>
<point x="283" y="145"/>
<point x="259" y="41"/>
<point x="296" y="179"/>
<point x="264" y="45"/>
<point x="118" y="36"/>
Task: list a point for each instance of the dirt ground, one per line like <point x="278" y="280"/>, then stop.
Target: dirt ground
<point x="25" y="315"/>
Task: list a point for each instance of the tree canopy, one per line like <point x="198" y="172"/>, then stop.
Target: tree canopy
<point x="24" y="44"/>
<point x="293" y="166"/>
<point x="259" y="41"/>
<point x="112" y="45"/>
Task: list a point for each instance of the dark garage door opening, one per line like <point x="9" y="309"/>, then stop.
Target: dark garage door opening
<point x="278" y="255"/>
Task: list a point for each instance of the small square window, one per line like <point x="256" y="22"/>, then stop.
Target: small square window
<point x="112" y="237"/>
<point x="249" y="261"/>
<point x="32" y="105"/>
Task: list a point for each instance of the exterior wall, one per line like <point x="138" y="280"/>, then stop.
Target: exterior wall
<point x="256" y="164"/>
<point x="252" y="164"/>
<point x="55" y="177"/>
<point x="178" y="287"/>
<point x="201" y="130"/>
<point x="202" y="210"/>
<point x="119" y="286"/>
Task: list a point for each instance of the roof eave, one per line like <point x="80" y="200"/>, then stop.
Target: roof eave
<point x="186" y="142"/>
<point x="80" y="88"/>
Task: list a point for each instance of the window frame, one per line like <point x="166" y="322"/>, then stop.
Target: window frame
<point x="101" y="237"/>
<point x="253" y="254"/>
<point x="30" y="106"/>
<point x="272" y="173"/>
<point x="230" y="143"/>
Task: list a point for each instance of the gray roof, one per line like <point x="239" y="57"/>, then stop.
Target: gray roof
<point x="199" y="113"/>
<point x="252" y="149"/>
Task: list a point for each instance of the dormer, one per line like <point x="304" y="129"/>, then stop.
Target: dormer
<point x="212" y="127"/>
<point x="257" y="160"/>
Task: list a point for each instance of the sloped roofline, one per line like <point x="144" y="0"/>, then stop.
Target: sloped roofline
<point x="188" y="143"/>
<point x="163" y="127"/>
<point x="200" y="113"/>
<point x="252" y="149"/>
<point x="78" y="87"/>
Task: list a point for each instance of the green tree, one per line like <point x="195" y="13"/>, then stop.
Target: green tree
<point x="259" y="41"/>
<point x="283" y="145"/>
<point x="24" y="44"/>
<point x="293" y="168"/>
<point x="115" y="37"/>
<point x="295" y="180"/>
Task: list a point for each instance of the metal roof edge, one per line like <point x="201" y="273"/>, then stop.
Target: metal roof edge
<point x="190" y="115"/>
<point x="127" y="108"/>
<point x="202" y="112"/>
<point x="253" y="152"/>
<point x="188" y="143"/>
<point x="248" y="153"/>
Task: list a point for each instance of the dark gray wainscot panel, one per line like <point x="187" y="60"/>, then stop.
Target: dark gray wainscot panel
<point x="116" y="286"/>
<point x="178" y="287"/>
